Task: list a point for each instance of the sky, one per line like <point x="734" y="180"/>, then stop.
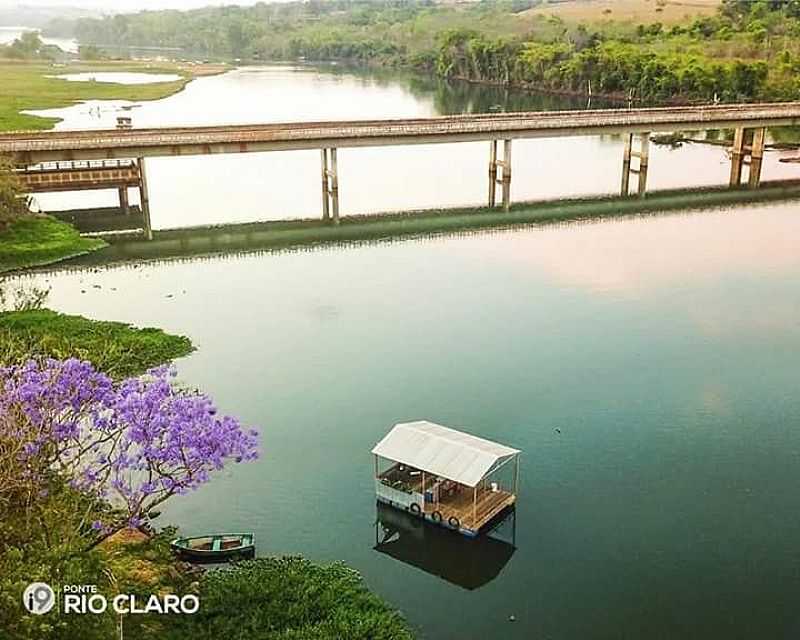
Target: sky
<point x="124" y="5"/>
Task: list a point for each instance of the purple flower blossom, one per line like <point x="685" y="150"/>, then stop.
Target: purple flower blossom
<point x="136" y="442"/>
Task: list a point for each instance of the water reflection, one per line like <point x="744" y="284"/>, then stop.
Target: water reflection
<point x="104" y="220"/>
<point x="655" y="252"/>
<point x="624" y="264"/>
<point x="469" y="563"/>
<point x="455" y="97"/>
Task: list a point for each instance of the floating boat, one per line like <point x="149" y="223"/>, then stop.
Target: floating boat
<point x="450" y="478"/>
<point x="219" y="547"/>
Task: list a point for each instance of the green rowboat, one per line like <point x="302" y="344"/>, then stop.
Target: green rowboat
<point x="217" y="547"/>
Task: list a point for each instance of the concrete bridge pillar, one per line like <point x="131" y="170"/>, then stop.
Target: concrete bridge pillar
<point x="505" y="173"/>
<point x="644" y="162"/>
<point x="756" y="157"/>
<point x="330" y="186"/>
<point x="747" y="149"/>
<point x="144" y="199"/>
<point x="737" y="157"/>
<point x="643" y="154"/>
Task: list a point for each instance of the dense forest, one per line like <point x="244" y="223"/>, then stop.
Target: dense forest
<point x="746" y="51"/>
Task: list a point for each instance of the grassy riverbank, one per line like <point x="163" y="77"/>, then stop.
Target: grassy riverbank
<point x="39" y="240"/>
<point x="27" y="86"/>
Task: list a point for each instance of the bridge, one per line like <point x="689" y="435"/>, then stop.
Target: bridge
<point x="82" y="175"/>
<point x="749" y="122"/>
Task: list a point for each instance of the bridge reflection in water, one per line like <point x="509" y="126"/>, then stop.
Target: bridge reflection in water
<point x="469" y="563"/>
<point x="29" y="149"/>
<point x="127" y="245"/>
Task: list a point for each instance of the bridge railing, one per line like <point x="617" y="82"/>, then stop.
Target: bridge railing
<point x="78" y="165"/>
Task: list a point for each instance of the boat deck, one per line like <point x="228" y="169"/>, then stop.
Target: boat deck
<point x="455" y="501"/>
<point x="488" y="505"/>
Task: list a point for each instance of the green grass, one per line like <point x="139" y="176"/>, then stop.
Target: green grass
<point x="288" y="599"/>
<point x="116" y="348"/>
<point x="38" y="240"/>
<point x="25" y="86"/>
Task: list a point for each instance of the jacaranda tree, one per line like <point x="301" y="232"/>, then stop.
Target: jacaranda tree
<point x="130" y="444"/>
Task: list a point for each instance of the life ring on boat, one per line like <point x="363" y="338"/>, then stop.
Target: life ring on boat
<point x="454" y="522"/>
<point x="415" y="509"/>
<point x="436" y="516"/>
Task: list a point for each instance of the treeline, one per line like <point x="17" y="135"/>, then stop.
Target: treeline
<point x="29" y="46"/>
<point x="396" y="32"/>
<point x="747" y="51"/>
<point x="610" y="68"/>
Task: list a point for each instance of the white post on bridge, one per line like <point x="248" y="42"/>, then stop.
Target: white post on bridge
<point x="124" y="122"/>
<point x="144" y="199"/>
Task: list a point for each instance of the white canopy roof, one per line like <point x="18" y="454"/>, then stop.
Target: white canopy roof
<point x="448" y="453"/>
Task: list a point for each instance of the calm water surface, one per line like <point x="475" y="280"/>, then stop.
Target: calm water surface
<point x="665" y="350"/>
<point x="240" y="188"/>
<point x="119" y="77"/>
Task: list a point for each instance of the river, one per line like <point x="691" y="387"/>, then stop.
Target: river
<point x="647" y="367"/>
<point x="202" y="190"/>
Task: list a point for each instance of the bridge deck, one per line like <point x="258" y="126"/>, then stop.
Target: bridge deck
<point x="77" y="176"/>
<point x="31" y="147"/>
<point x="79" y="179"/>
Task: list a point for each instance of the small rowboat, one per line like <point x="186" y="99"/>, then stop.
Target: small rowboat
<point x="218" y="547"/>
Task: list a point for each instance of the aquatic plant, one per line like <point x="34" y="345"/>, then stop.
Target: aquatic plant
<point x="288" y="597"/>
<point x="133" y="443"/>
<point x="115" y="348"/>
